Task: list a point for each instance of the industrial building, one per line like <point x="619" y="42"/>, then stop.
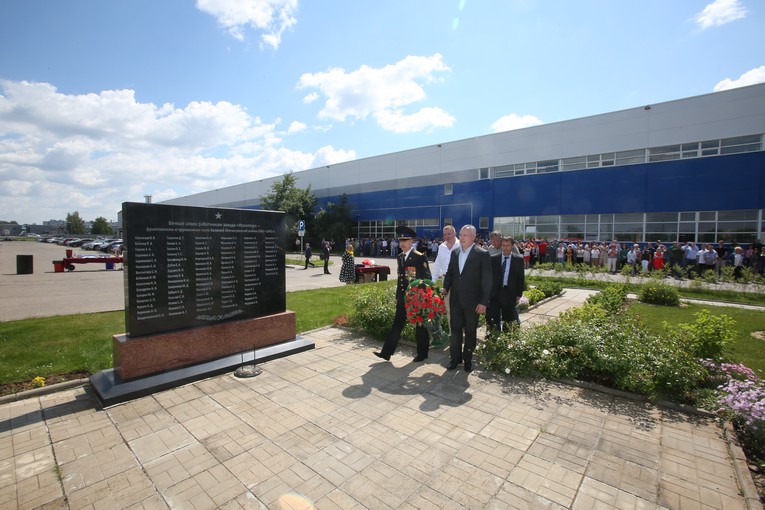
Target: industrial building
<point x="692" y="169"/>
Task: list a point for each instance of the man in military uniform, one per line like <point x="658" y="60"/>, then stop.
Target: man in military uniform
<point x="412" y="265"/>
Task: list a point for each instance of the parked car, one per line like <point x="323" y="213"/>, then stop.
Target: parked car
<point x="109" y="247"/>
<point x="96" y="245"/>
<point x="78" y="242"/>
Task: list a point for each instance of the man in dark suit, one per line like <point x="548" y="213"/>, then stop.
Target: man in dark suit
<point x="509" y="281"/>
<point x="325" y="256"/>
<point x="468" y="283"/>
<point x="308" y="254"/>
<point x="412" y="265"/>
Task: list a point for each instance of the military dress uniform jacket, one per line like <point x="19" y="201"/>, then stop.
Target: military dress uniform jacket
<point x="414" y="267"/>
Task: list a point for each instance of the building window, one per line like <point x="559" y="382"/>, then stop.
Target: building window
<point x="483" y="173"/>
<point x="448" y="189"/>
<point x="741" y="144"/>
<point x="448" y="221"/>
<point x="483" y="222"/>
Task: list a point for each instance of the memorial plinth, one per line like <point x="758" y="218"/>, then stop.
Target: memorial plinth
<point x="138" y="357"/>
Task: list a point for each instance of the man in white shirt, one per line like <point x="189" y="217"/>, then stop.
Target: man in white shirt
<point x="441" y="264"/>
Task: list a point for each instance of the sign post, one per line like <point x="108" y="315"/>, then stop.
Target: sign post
<point x="301" y="233"/>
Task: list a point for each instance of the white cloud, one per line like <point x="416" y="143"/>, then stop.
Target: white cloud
<point x="756" y="75"/>
<point x="719" y="13"/>
<point x="514" y="121"/>
<point x="296" y="127"/>
<point x="426" y="118"/>
<point x="381" y="92"/>
<point x="310" y="98"/>
<point x="272" y="17"/>
<point x="91" y="152"/>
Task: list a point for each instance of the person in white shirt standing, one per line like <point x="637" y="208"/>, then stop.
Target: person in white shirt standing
<point x="441" y="264"/>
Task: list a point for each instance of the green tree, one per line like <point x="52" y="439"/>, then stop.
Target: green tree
<point x="100" y="226"/>
<point x="335" y="221"/>
<point x="75" y="224"/>
<point x="297" y="203"/>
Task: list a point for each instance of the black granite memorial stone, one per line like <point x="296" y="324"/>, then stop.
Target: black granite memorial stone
<point x="187" y="267"/>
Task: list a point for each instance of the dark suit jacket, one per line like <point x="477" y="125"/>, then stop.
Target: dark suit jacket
<point x="516" y="279"/>
<point x="474" y="285"/>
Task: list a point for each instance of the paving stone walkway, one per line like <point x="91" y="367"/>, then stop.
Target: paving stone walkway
<point x="335" y="427"/>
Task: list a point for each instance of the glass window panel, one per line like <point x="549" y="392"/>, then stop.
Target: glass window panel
<point x="483" y="173"/>
<point x="664" y="150"/>
<point x="690" y="146"/>
<point x="660" y="217"/>
<point x="629" y="227"/>
<point x="531" y="170"/>
<point x="706" y="238"/>
<point x="551" y="230"/>
<point x="661" y="227"/>
<point x="629" y="237"/>
<point x="741" y="148"/>
<point x="687" y="216"/>
<point x="661" y="236"/>
<point x="740" y="215"/>
<point x="448" y="189"/>
<point x="503" y="171"/>
<point x="741" y="140"/>
<point x="710" y="152"/>
<point x="737" y="226"/>
<point x="688" y="228"/>
<point x="685" y="237"/>
<point x="483" y="222"/>
<point x="706" y="226"/>
<point x="628" y="218"/>
<point x="571" y="230"/>
<point x="710" y="144"/>
<point x="690" y="154"/>
<point x="663" y="157"/>
<point x="574" y="163"/>
<point x="547" y="219"/>
<point x="708" y="215"/>
<point x="448" y="221"/>
<point x="573" y="218"/>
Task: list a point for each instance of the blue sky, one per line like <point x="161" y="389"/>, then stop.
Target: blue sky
<point x="105" y="102"/>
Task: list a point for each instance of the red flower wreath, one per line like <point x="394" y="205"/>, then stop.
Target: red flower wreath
<point x="425" y="306"/>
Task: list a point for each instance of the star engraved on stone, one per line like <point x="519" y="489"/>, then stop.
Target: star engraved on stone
<point x="218" y="216"/>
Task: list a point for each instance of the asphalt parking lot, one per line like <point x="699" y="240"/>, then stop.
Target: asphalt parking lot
<point x="91" y="287"/>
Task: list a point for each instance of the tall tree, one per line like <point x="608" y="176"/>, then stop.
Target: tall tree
<point x="335" y="221"/>
<point x="75" y="224"/>
<point x="297" y="203"/>
<point x="100" y="226"/>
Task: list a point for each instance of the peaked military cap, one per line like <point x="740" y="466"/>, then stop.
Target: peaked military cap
<point x="403" y="232"/>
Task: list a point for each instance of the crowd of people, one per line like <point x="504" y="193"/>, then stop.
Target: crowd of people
<point x="681" y="259"/>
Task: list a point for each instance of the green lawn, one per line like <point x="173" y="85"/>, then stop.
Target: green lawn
<point x="83" y="343"/>
<point x="745" y="349"/>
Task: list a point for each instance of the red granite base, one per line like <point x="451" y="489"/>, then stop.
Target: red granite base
<point x="138" y="357"/>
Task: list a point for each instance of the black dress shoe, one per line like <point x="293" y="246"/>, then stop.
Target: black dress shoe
<point x="452" y="365"/>
<point x="418" y="358"/>
<point x="381" y="355"/>
<point x="468" y="367"/>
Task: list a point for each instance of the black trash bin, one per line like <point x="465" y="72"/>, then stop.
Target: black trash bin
<point x="24" y="264"/>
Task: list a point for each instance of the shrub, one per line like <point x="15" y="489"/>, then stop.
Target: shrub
<point x="611" y="298"/>
<point x="707" y="337"/>
<point x="591" y="343"/>
<point x="550" y="288"/>
<point x="534" y="295"/>
<point x="373" y="310"/>
<point x="656" y="293"/>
